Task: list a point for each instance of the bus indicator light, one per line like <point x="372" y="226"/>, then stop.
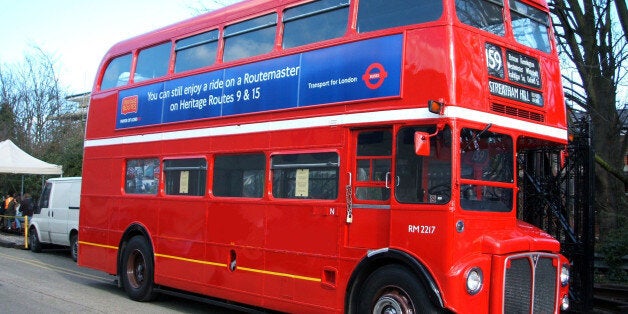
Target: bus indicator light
<point x="129" y="104"/>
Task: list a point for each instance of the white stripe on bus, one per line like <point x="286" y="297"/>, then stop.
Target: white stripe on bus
<point x="335" y="120"/>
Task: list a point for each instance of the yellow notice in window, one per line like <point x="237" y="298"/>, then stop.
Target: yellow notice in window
<point x="184" y="179"/>
<point x="302" y="183"/>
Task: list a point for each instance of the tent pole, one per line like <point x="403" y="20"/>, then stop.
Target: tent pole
<point x="22" y="189"/>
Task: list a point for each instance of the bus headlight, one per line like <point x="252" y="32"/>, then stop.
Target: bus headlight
<point x="564" y="275"/>
<point x="474" y="281"/>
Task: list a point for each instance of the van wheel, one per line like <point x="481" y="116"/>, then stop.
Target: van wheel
<point x="393" y="289"/>
<point x="74" y="246"/>
<point x="138" y="270"/>
<point x="33" y="241"/>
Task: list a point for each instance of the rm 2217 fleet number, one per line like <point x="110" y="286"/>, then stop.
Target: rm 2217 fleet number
<point x="421" y="229"/>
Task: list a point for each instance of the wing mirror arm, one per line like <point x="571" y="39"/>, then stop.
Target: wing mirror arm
<point x="422" y="141"/>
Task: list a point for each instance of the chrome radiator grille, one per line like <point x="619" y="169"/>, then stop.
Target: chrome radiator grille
<point x="530" y="283"/>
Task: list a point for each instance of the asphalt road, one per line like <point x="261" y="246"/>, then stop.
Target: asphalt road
<point x="50" y="282"/>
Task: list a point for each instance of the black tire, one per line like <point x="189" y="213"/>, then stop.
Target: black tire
<point x="74" y="246"/>
<point x="33" y="240"/>
<point x="138" y="270"/>
<point x="394" y="289"/>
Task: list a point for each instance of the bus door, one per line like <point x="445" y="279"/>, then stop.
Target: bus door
<point x="370" y="188"/>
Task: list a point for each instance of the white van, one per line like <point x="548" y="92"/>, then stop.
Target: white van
<point x="55" y="220"/>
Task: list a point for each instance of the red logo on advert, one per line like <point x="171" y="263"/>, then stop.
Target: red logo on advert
<point x="374" y="76"/>
<point x="129" y="104"/>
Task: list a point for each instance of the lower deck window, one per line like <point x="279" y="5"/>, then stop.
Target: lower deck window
<point x="142" y="176"/>
<point x="309" y="176"/>
<point x="239" y="175"/>
<point x="185" y="176"/>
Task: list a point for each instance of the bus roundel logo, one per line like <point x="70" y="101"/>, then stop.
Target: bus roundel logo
<point x="374" y="76"/>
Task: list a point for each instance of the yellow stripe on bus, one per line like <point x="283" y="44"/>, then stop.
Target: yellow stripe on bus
<point x="252" y="270"/>
<point x="266" y="272"/>
<point x="98" y="245"/>
<point x="191" y="260"/>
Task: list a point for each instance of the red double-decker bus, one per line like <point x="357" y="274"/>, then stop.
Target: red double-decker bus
<point x="328" y="156"/>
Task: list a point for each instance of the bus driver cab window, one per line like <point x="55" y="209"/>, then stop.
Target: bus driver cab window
<point x="423" y="179"/>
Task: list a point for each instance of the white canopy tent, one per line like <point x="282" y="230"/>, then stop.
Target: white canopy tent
<point x="16" y="161"/>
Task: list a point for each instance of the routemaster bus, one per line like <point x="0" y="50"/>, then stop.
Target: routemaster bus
<point x="328" y="156"/>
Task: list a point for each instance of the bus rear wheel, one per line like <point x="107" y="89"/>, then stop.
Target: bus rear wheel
<point x="394" y="289"/>
<point x="138" y="270"/>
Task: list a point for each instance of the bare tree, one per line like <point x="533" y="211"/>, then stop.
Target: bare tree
<point x="31" y="102"/>
<point x="592" y="37"/>
<point x="32" y="92"/>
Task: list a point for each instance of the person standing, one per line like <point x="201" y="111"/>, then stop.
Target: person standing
<point x="27" y="209"/>
<point x="9" y="211"/>
<point x="2" y="207"/>
<point x="27" y="205"/>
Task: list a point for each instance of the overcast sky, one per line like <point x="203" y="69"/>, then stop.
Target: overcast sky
<point x="77" y="33"/>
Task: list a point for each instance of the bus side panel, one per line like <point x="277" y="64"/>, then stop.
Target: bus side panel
<point x="472" y="74"/>
<point x="102" y="115"/>
<point x="302" y="242"/>
<point x="235" y="237"/>
<point x="96" y="248"/>
<point x="553" y="90"/>
<point x="179" y="243"/>
<point x="426" y="63"/>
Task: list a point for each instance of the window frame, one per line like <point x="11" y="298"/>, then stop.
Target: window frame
<point x="151" y="62"/>
<point x="201" y="176"/>
<point x="111" y="83"/>
<point x="365" y="189"/>
<point x="280" y="176"/>
<point x="498" y="3"/>
<point x="259" y="189"/>
<point x="144" y="160"/>
<point x="287" y="19"/>
<point x="241" y="28"/>
<point x="546" y="46"/>
<point x="213" y="37"/>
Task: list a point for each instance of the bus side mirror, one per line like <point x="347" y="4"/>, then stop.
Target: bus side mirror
<point x="422" y="143"/>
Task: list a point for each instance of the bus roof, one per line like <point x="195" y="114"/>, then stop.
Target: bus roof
<point x="232" y="13"/>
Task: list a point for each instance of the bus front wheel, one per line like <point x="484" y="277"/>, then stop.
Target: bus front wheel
<point x="138" y="270"/>
<point x="394" y="289"/>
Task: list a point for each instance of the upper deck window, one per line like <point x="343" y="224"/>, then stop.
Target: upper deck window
<point x="381" y="14"/>
<point x="117" y="72"/>
<point x="483" y="14"/>
<point x="530" y="25"/>
<point x="152" y="62"/>
<point x="250" y="38"/>
<point x="196" y="51"/>
<point x="315" y="21"/>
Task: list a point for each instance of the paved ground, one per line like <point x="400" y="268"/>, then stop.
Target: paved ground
<point x="11" y="239"/>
